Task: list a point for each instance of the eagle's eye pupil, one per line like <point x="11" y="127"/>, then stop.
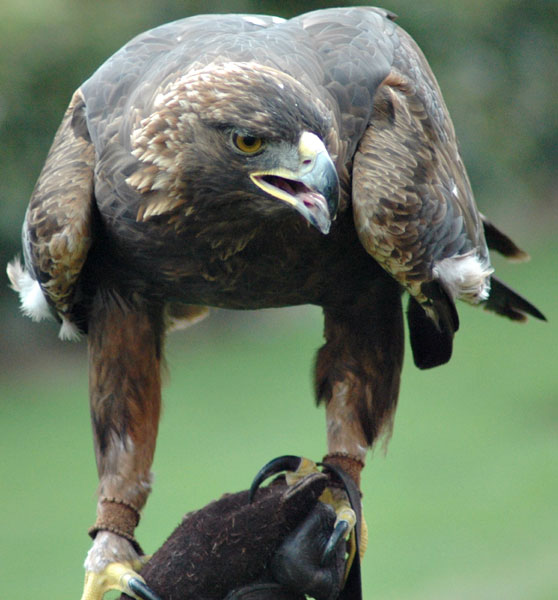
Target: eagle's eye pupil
<point x="248" y="144"/>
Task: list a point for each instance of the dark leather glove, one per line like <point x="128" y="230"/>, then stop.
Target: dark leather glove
<point x="268" y="549"/>
<point x="297" y="564"/>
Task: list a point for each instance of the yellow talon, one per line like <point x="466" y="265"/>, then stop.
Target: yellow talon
<point x="115" y="576"/>
<point x="363" y="536"/>
<point x="296" y="468"/>
<point x="339" y="501"/>
<point x="306" y="467"/>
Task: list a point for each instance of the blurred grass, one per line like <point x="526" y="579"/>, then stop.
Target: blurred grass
<point x="463" y="506"/>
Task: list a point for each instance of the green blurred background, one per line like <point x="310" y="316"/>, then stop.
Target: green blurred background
<point x="464" y="504"/>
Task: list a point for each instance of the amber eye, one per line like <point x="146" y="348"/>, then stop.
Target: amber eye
<point x="248" y="144"/>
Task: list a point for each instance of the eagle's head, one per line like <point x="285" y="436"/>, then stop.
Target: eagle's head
<point x="241" y="136"/>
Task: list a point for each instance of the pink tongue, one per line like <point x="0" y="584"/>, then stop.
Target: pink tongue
<point x="310" y="198"/>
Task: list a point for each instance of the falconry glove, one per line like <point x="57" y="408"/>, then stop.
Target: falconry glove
<point x="269" y="548"/>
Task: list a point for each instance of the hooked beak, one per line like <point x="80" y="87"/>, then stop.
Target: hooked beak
<point x="312" y="188"/>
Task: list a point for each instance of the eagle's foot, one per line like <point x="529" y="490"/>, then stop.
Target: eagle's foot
<point x="342" y="496"/>
<point x="345" y="520"/>
<point x="113" y="564"/>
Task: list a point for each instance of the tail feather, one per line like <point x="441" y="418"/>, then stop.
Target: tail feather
<point x="432" y="342"/>
<point x="500" y="242"/>
<point x="504" y="301"/>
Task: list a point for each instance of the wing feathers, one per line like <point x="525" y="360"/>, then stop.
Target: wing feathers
<point x="57" y="230"/>
<point x="412" y="203"/>
<point x="415" y="213"/>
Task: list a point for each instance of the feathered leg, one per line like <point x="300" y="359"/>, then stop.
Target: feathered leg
<point x="125" y="394"/>
<point x="357" y="376"/>
<point x="358" y="372"/>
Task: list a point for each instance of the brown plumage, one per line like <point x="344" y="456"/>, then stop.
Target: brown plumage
<point x="249" y="162"/>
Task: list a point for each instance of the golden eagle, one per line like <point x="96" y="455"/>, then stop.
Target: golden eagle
<point x="247" y="162"/>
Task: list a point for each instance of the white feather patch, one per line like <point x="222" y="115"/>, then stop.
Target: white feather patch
<point x="32" y="299"/>
<point x="69" y="331"/>
<point x="465" y="277"/>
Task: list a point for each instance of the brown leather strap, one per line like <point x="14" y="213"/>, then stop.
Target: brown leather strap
<point x="352" y="465"/>
<point x="119" y="517"/>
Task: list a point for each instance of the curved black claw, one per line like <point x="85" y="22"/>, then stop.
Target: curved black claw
<point x="353" y="584"/>
<point x="277" y="465"/>
<point x="337" y="536"/>
<point x="142" y="590"/>
<point x="348" y="485"/>
<point x="352" y="492"/>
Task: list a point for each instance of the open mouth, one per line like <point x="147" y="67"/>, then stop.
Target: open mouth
<point x="311" y="187"/>
<point x="288" y="186"/>
<point x="308" y="202"/>
<point x="292" y="191"/>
